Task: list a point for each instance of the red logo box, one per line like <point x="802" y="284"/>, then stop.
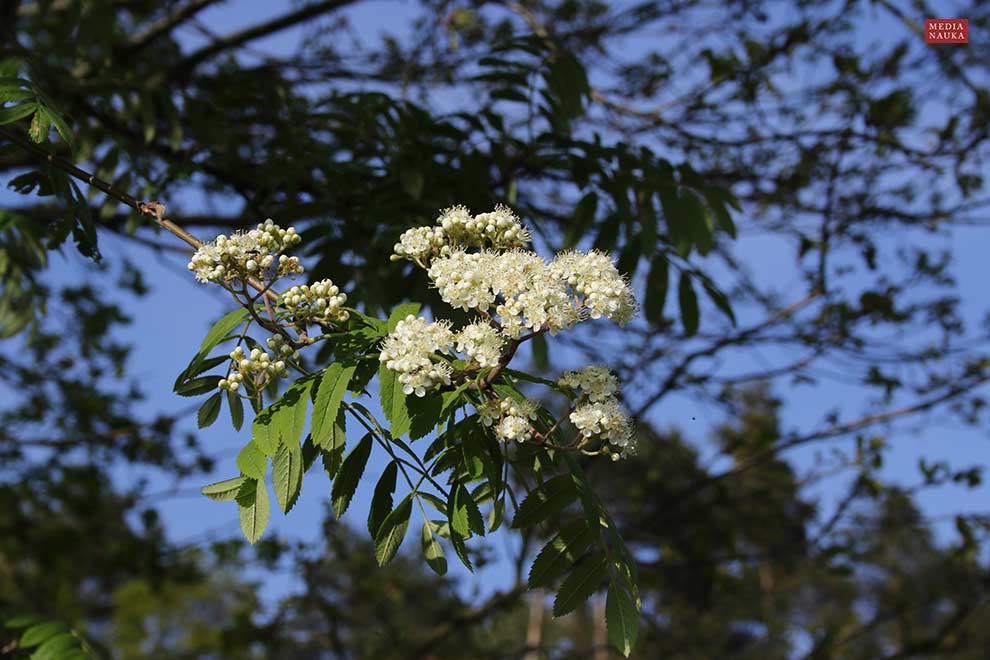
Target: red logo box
<point x="946" y="30"/>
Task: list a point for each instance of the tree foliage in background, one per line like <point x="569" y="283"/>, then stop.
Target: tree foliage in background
<point x="849" y="144"/>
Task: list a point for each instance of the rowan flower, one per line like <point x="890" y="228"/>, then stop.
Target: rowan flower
<point x="606" y="420"/>
<point x="481" y="342"/>
<point x="533" y="297"/>
<point x="410" y="350"/>
<point x="243" y="254"/>
<point x="499" y="229"/>
<point x="511" y="419"/>
<point x="420" y="244"/>
<point x="598" y="284"/>
<point x="464" y="279"/>
<point x="595" y="383"/>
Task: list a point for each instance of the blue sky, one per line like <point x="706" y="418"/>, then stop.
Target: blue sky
<point x="170" y="322"/>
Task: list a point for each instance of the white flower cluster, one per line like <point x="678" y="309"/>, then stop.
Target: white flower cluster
<point x="512" y="419"/>
<point x="477" y="262"/>
<point x="596" y="383"/>
<point x="411" y="350"/>
<point x="419" y="244"/>
<point x="530" y="294"/>
<point x="464" y="279"/>
<point x="456" y="227"/>
<point x="606" y="420"/>
<point x="242" y="255"/>
<point x="481" y="343"/>
<point x="598" y="283"/>
<point x="257" y="366"/>
<point x="597" y="413"/>
<point x="499" y="229"/>
<point x="321" y="301"/>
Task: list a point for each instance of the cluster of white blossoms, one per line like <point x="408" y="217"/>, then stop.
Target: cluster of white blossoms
<point x="246" y="254"/>
<point x="456" y="227"/>
<point x="593" y="276"/>
<point x="512" y="419"/>
<point x="410" y="350"/>
<point x="481" y="343"/>
<point x="464" y="279"/>
<point x="480" y="262"/>
<point x="258" y="366"/>
<point x="322" y="301"/>
<point x="597" y="413"/>
<point x="596" y="383"/>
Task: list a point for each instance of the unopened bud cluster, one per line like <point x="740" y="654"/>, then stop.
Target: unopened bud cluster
<point x="247" y="254"/>
<point x="258" y="366"/>
<point x="322" y="301"/>
<point x="598" y="413"/>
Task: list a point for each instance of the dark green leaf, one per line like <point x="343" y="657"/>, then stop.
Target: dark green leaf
<point x="688" y="301"/>
<point x="381" y="503"/>
<point x="560" y="553"/>
<point x="548" y="500"/>
<point x="656" y="289"/>
<point x="541" y="359"/>
<point x="424" y="414"/>
<point x="209" y="411"/>
<point x="236" y="410"/>
<point x="198" y="386"/>
<point x="392" y="531"/>
<point x="14" y="112"/>
<point x="38" y="633"/>
<point x="584" y="580"/>
<point x="349" y="475"/>
<point x="333" y="451"/>
<point x="55" y="647"/>
<point x="622" y="617"/>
